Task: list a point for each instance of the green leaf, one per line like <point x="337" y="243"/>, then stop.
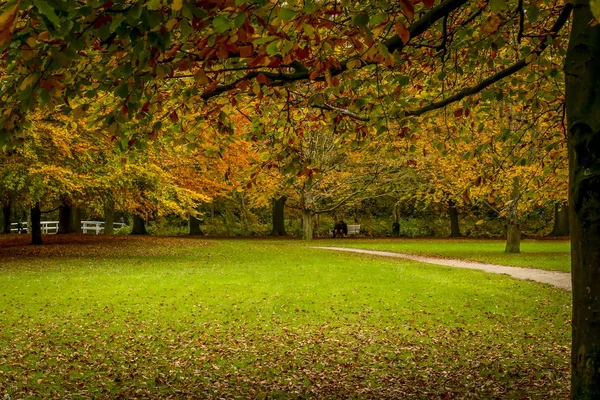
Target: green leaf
<point x="122" y="91"/>
<point x="239" y="20"/>
<point x="285" y="14"/>
<point x="533" y="13"/>
<point x="221" y="24"/>
<point x="361" y="20"/>
<point x="377" y="19"/>
<point x="272" y="48"/>
<point x="48" y="11"/>
<point x="153" y="4"/>
<point x="498" y="6"/>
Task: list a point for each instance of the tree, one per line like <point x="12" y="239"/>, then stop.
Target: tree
<point x="460" y="48"/>
<point x="582" y="70"/>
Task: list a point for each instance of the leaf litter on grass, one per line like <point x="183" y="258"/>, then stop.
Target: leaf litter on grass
<point x="165" y="342"/>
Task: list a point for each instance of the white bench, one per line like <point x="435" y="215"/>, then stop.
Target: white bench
<point x="353" y="230"/>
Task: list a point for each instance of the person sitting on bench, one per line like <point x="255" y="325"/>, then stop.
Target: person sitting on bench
<point x="340" y="229"/>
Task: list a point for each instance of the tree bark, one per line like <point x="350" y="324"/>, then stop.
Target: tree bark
<point x="195" y="228"/>
<point x="76" y="220"/>
<point x="6" y="209"/>
<point x="513" y="237"/>
<point x="109" y="218"/>
<point x="36" y="224"/>
<point x="582" y="75"/>
<point x="278" y="217"/>
<point x="65" y="215"/>
<point x="139" y="226"/>
<point x="307" y="225"/>
<point x="454" y="226"/>
<point x="561" y="220"/>
<point x="513" y="228"/>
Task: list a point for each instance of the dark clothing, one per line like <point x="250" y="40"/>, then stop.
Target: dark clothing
<point x="340" y="229"/>
<point x="396" y="229"/>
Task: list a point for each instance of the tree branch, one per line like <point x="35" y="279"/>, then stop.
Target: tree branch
<point x="560" y="22"/>
<point x="341" y="111"/>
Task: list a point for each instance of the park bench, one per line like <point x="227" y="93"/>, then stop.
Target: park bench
<point x="353" y="230"/>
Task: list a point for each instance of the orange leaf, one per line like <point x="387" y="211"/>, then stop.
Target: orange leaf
<point x="402" y="32"/>
<point x="246" y="51"/>
<point x="408" y="9"/>
<point x="261" y="78"/>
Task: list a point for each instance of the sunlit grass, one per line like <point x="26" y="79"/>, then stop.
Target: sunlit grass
<point x="191" y="318"/>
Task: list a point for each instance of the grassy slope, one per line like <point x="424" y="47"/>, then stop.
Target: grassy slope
<point x="553" y="255"/>
<point x="142" y="317"/>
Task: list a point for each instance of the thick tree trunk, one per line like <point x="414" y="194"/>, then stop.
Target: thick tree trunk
<point x="65" y="215"/>
<point x="6" y="209"/>
<point x="278" y="217"/>
<point x="76" y="220"/>
<point x="139" y="226"/>
<point x="454" y="226"/>
<point x="582" y="74"/>
<point x="307" y="225"/>
<point x="561" y="220"/>
<point x="195" y="229"/>
<point x="109" y="218"/>
<point x="36" y="224"/>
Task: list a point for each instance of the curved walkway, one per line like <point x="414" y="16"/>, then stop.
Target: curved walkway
<point x="561" y="280"/>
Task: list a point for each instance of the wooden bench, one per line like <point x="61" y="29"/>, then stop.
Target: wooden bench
<point x="353" y="230"/>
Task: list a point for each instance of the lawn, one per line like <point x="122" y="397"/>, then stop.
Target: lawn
<point x="552" y="255"/>
<point x="124" y="317"/>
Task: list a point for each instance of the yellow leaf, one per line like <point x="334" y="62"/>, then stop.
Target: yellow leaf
<point x="170" y="24"/>
<point x="8" y="20"/>
<point x="177" y="4"/>
<point x="44" y="36"/>
<point x="479" y="222"/>
<point x="30" y="80"/>
<point x="354" y="63"/>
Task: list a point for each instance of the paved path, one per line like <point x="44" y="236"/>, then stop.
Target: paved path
<point x="559" y="279"/>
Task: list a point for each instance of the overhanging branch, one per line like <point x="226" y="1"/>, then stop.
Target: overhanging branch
<point x="560" y="22"/>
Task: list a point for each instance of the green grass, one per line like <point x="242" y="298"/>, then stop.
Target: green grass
<point x="186" y="318"/>
<point x="552" y="255"/>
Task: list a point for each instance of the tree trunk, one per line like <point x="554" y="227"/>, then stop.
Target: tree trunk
<point x="513" y="237"/>
<point x="278" y="217"/>
<point x="36" y="224"/>
<point x="307" y="225"/>
<point x="139" y="226"/>
<point x="513" y="228"/>
<point x="561" y="220"/>
<point x="6" y="209"/>
<point x="109" y="218"/>
<point x="582" y="75"/>
<point x="76" y="220"/>
<point x="453" y="212"/>
<point x="65" y="216"/>
<point x="195" y="229"/>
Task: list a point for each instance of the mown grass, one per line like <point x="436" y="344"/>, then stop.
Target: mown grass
<point x="188" y="318"/>
<point x="552" y="255"/>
